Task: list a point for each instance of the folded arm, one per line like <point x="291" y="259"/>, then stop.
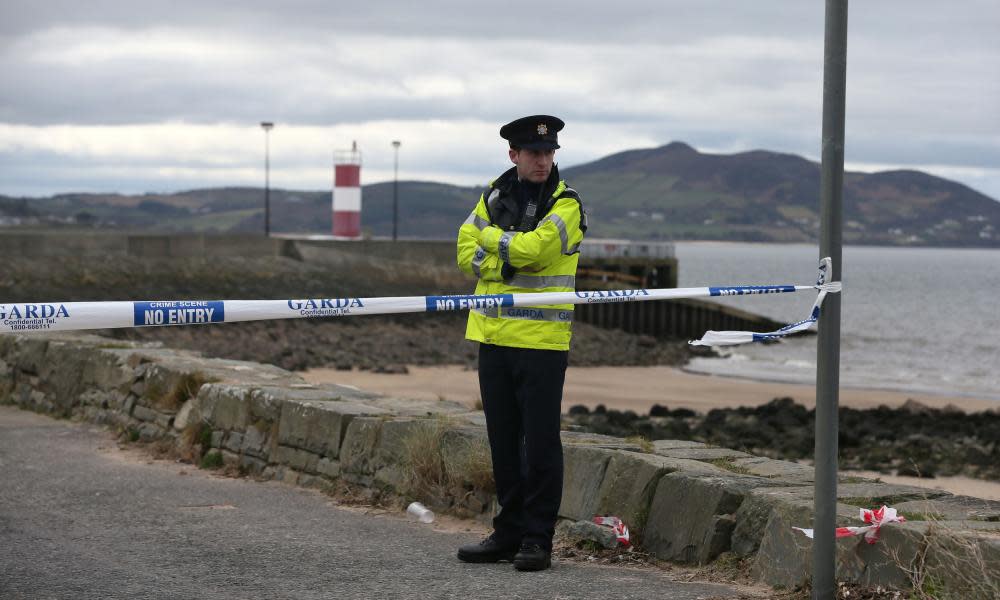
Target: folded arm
<point x="557" y="234"/>
<point x="473" y="259"/>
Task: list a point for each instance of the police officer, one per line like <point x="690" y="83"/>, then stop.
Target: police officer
<point x="523" y="236"/>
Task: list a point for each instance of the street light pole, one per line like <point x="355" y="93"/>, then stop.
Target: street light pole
<point x="267" y="126"/>
<point x="824" y="581"/>
<point x="395" y="187"/>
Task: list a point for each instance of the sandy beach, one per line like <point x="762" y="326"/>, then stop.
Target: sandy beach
<point x="639" y="388"/>
<point x="631" y="388"/>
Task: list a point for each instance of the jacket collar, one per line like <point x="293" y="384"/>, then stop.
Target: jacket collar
<point x="507" y="179"/>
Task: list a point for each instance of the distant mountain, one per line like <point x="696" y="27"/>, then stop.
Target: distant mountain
<point x="672" y="192"/>
<point x="676" y="192"/>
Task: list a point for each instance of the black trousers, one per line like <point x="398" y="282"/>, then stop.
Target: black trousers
<point x="522" y="394"/>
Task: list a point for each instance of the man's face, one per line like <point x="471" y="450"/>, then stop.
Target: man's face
<point x="533" y="165"/>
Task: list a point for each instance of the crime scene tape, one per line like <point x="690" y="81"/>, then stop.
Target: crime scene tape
<point x="78" y="316"/>
<point x="732" y="338"/>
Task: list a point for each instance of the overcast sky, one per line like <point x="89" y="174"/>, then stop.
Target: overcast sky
<point x="131" y="96"/>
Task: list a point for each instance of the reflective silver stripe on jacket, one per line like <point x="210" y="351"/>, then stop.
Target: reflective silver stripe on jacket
<point x="561" y="225"/>
<point x="535" y="282"/>
<point x="560" y="315"/>
<point x="503" y="248"/>
<point x="476" y="220"/>
<point x="477" y="260"/>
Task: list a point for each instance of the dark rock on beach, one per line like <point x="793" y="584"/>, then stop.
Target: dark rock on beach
<point x="385" y="343"/>
<point x="914" y="439"/>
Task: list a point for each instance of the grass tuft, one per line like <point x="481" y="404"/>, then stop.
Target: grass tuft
<point x="644" y="444"/>
<point x="950" y="563"/>
<point x="438" y="463"/>
<point x="855" y="479"/>
<point x="728" y="465"/>
<point x="470" y="466"/>
<point x="919" y="516"/>
<point x="186" y="388"/>
<point x="422" y="461"/>
<point x="195" y="441"/>
<point x="211" y="460"/>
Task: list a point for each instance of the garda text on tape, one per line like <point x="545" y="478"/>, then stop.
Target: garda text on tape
<point x="75" y="316"/>
<point x="31" y="317"/>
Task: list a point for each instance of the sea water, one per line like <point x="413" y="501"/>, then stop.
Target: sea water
<point x="913" y="319"/>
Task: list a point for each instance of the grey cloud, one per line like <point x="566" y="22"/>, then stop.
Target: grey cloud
<point x="866" y="146"/>
<point x="922" y="85"/>
<point x="628" y="20"/>
<point x="140" y="91"/>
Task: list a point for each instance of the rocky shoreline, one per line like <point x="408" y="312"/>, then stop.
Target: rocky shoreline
<point x="387" y="343"/>
<point x="913" y="440"/>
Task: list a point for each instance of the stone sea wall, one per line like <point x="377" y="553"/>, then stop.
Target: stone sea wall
<point x="683" y="501"/>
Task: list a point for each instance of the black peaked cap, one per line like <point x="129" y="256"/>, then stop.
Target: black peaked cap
<point x="537" y="132"/>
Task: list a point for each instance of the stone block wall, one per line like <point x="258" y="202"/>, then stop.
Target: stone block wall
<point x="683" y="501"/>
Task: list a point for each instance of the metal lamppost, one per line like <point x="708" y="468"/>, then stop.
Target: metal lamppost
<point x="824" y="582"/>
<point x="395" y="187"/>
<point x="267" y="126"/>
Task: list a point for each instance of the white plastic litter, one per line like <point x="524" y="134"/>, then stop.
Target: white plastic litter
<point x="420" y="512"/>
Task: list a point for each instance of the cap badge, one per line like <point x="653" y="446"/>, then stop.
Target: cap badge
<point x="543" y="129"/>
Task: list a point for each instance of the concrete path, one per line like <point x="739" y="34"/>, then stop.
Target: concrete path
<point x="78" y="519"/>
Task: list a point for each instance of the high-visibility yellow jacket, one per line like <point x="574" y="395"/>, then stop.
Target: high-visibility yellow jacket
<point x="543" y="259"/>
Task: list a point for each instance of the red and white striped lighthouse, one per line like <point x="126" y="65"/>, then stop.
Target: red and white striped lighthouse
<point x="347" y="193"/>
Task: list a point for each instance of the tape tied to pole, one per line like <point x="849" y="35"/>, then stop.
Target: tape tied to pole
<point x="78" y="316"/>
<point x="732" y="338"/>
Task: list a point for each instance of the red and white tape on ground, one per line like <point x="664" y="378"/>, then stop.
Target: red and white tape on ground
<point x="616" y="525"/>
<point x="875" y="519"/>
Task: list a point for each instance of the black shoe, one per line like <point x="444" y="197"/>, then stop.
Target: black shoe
<point x="487" y="551"/>
<point x="532" y="557"/>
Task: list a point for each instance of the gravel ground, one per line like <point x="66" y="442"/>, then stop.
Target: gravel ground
<point x="102" y="523"/>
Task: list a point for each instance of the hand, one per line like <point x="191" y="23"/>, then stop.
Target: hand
<point x="489" y="238"/>
<point x="507" y="271"/>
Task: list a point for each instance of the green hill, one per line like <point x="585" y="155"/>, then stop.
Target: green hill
<point x="676" y="192"/>
<point x="672" y="192"/>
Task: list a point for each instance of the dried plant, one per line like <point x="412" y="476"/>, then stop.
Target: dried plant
<point x="950" y="564"/>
